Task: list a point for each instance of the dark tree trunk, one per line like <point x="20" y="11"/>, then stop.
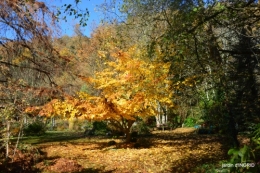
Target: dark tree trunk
<point x="232" y="131"/>
<point x="128" y="136"/>
<point x="245" y="79"/>
<point x="124" y="126"/>
<point x="127" y="128"/>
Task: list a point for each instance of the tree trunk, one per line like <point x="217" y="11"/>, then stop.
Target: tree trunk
<point x="128" y="136"/>
<point x="72" y="121"/>
<point x="7" y="138"/>
<point x="124" y="126"/>
<point x="127" y="129"/>
<point x="233" y="132"/>
<point x="18" y="138"/>
<point x="52" y="123"/>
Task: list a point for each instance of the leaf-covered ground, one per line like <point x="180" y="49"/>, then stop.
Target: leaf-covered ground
<point x="162" y="152"/>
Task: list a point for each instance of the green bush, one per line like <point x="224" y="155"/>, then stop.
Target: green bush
<point x="256" y="133"/>
<point x="100" y="127"/>
<point x="255" y="142"/>
<point x="141" y="128"/>
<point x="189" y="122"/>
<point x="242" y="160"/>
<point x="206" y="168"/>
<point x="35" y="128"/>
<point x="246" y="159"/>
<point x="174" y="122"/>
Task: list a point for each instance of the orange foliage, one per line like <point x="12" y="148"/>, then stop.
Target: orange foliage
<point x="130" y="87"/>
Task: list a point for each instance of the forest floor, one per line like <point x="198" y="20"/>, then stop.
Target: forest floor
<point x="180" y="150"/>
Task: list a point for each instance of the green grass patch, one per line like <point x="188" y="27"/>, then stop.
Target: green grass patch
<point x="52" y="136"/>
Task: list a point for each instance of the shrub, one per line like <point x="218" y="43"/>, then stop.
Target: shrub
<point x="245" y="159"/>
<point x="174" y="122"/>
<point x="150" y="121"/>
<point x="207" y="168"/>
<point x="189" y="122"/>
<point x="141" y="128"/>
<point x="97" y="127"/>
<point x="242" y="160"/>
<point x="114" y="130"/>
<point x="100" y="127"/>
<point x="61" y="125"/>
<point x="256" y="133"/>
<point x="256" y="142"/>
<point x="35" y="128"/>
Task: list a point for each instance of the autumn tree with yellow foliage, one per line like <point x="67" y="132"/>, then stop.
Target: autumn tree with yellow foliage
<point x="129" y="87"/>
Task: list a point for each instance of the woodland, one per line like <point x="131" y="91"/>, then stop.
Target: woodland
<point x="160" y="86"/>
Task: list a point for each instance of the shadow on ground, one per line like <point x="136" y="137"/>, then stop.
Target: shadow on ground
<point x="176" y="152"/>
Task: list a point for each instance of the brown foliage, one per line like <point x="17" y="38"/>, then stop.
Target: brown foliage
<point x="28" y="59"/>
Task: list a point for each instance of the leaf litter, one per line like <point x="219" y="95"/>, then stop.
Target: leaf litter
<point x="163" y="152"/>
